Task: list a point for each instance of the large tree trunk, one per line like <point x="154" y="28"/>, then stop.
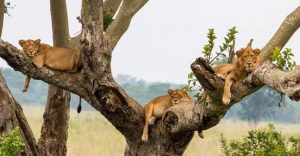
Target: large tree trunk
<point x="54" y="134"/>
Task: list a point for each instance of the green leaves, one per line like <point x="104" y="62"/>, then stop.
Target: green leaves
<point x="265" y="142"/>
<point x="229" y="43"/>
<point x="207" y="49"/>
<point x="11" y="144"/>
<point x="284" y="59"/>
<point x="107" y="20"/>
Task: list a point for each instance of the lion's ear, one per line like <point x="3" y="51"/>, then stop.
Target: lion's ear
<point x="240" y="52"/>
<point x="170" y="91"/>
<point x="256" y="51"/>
<point x="22" y="42"/>
<point x="185" y="90"/>
<point x="38" y="41"/>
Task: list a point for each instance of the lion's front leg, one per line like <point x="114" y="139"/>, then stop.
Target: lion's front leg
<point x="39" y="60"/>
<point x="227" y="94"/>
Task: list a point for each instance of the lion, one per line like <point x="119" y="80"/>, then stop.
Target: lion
<point x="247" y="61"/>
<point x="56" y="58"/>
<point x="157" y="107"/>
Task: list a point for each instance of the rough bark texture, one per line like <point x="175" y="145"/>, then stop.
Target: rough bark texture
<point x="54" y="133"/>
<point x="171" y="135"/>
<point x="11" y="116"/>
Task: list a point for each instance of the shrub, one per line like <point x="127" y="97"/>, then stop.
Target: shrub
<point x="11" y="144"/>
<point x="263" y="142"/>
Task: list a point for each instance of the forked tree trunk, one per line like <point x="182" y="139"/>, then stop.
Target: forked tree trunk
<point x="54" y="134"/>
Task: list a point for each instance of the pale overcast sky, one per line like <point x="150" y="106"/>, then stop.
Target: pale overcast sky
<point x="165" y="36"/>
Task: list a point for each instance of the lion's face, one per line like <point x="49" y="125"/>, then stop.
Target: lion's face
<point x="178" y="96"/>
<point x="248" y="59"/>
<point x="30" y="47"/>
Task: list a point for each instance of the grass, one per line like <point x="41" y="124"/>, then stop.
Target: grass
<point x="91" y="134"/>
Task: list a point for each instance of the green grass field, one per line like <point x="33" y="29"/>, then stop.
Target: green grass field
<point x="91" y="134"/>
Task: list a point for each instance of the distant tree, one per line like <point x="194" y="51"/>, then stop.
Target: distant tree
<point x="259" y="105"/>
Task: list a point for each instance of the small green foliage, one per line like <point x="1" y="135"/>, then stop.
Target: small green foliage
<point x="193" y="86"/>
<point x="11" y="144"/>
<point x="229" y="42"/>
<point x="107" y="20"/>
<point x="207" y="49"/>
<point x="263" y="142"/>
<point x="284" y="59"/>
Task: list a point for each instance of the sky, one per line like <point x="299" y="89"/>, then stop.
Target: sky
<point x="165" y="36"/>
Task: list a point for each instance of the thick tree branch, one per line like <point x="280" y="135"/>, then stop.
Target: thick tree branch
<point x="119" y="26"/>
<point x="288" y="27"/>
<point x="184" y="118"/>
<point x="20" y="62"/>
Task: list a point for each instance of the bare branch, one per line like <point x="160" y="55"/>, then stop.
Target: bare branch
<point x="119" y="26"/>
<point x="288" y="27"/>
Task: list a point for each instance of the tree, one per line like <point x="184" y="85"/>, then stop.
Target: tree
<point x="54" y="133"/>
<point x="172" y="134"/>
<point x="260" y="105"/>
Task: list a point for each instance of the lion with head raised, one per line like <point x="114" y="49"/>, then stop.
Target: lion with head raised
<point x="57" y="58"/>
<point x="247" y="61"/>
<point x="157" y="107"/>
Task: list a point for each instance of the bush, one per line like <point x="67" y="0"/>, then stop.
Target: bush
<point x="11" y="144"/>
<point x="263" y="142"/>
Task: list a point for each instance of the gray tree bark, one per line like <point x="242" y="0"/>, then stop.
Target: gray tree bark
<point x="171" y="135"/>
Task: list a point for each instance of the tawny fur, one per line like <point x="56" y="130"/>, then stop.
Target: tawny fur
<point x="57" y="58"/>
<point x="247" y="61"/>
<point x="157" y="107"/>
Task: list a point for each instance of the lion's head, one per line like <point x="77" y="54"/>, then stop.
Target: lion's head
<point x="248" y="58"/>
<point x="30" y="47"/>
<point x="178" y="96"/>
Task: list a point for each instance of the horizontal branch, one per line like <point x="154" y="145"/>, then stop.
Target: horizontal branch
<point x="20" y="62"/>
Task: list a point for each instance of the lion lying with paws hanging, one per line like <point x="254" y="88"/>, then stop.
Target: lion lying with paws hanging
<point x="157" y="107"/>
<point x="247" y="61"/>
<point x="56" y="58"/>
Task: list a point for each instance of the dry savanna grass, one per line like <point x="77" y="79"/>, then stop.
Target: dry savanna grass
<point x="91" y="134"/>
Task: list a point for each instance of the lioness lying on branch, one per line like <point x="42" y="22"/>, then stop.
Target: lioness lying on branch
<point x="247" y="61"/>
<point x="157" y="107"/>
<point x="57" y="58"/>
